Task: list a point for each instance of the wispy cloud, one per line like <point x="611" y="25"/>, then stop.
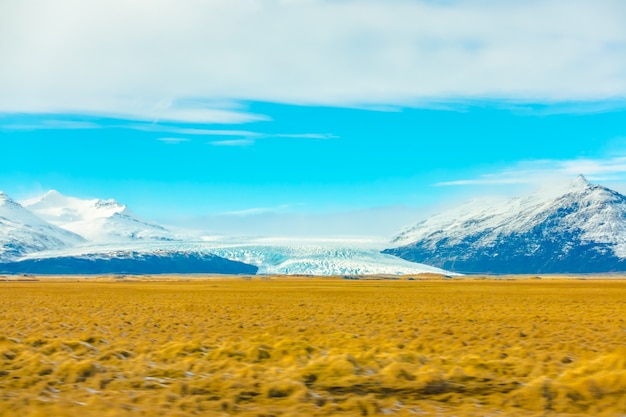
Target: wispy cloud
<point x="541" y="171"/>
<point x="232" y="142"/>
<point x="257" y="210"/>
<point x="192" y="131"/>
<point x="226" y="132"/>
<point x="251" y="138"/>
<point x="51" y="124"/>
<point x="247" y="136"/>
<point x="173" y="141"/>
<point x="322" y="136"/>
<point x="382" y="54"/>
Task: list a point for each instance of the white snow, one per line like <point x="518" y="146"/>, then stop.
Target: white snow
<point x="600" y="215"/>
<point x="22" y="232"/>
<point x="337" y="257"/>
<point x="96" y="220"/>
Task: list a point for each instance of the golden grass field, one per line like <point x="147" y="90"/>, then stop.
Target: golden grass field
<point x="312" y="347"/>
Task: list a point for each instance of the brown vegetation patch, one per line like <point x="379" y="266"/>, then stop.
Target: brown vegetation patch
<point x="312" y="347"/>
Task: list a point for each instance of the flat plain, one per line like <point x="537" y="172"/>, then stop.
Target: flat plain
<point x="279" y="346"/>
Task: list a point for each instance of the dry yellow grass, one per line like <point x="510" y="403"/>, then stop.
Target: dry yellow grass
<point x="312" y="347"/>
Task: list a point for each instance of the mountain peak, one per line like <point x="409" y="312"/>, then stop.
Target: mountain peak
<point x="579" y="183"/>
<point x="52" y="193"/>
<point x="52" y="196"/>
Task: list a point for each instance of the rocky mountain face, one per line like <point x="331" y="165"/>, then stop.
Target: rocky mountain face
<point x="582" y="229"/>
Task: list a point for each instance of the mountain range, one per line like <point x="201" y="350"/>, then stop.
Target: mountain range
<point x="59" y="224"/>
<point x="581" y="229"/>
<point x="57" y="234"/>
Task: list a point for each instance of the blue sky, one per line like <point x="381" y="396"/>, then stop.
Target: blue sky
<point x="308" y="117"/>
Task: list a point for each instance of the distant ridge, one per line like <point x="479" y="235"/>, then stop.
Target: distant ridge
<point x="130" y="262"/>
<point x="580" y="230"/>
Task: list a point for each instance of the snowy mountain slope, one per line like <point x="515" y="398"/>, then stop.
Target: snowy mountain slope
<point x="21" y="232"/>
<point x="581" y="229"/>
<point x="272" y="256"/>
<point x="96" y="220"/>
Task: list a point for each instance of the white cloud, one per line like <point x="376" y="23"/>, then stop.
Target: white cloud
<point x="158" y="60"/>
<point x="256" y="211"/>
<point x="322" y="136"/>
<point x="51" y="124"/>
<point x="232" y="142"/>
<point x="173" y="141"/>
<point x="193" y="131"/>
<point x="247" y="134"/>
<point x="543" y="171"/>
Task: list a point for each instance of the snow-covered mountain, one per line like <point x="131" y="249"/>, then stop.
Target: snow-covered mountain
<point x="96" y="220"/>
<point x="581" y="229"/>
<point x="21" y="232"/>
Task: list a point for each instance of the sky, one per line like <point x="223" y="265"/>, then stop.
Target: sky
<point x="308" y="117"/>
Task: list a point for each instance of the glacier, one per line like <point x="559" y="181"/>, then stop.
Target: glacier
<point x="270" y="255"/>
